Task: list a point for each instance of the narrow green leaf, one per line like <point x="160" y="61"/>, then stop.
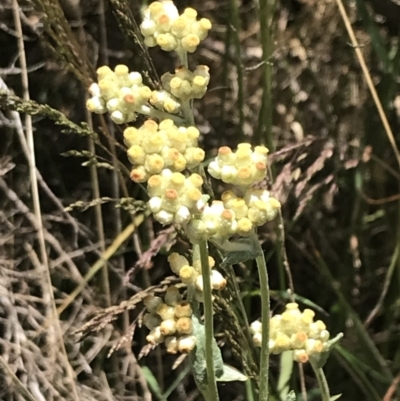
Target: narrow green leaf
<point x="153" y="384"/>
<point x="285" y="373"/>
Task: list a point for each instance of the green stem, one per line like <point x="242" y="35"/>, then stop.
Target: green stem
<point x="187" y="112"/>
<point x="265" y="312"/>
<point x="264" y="129"/>
<point x="208" y="323"/>
<point x="322" y="383"/>
<point x="234" y="14"/>
<point x="183" y="57"/>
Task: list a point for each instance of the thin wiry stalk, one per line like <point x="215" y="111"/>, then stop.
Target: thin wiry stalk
<point x="116" y="181"/>
<point x="94" y="178"/>
<point x="225" y="73"/>
<point x="263" y="134"/>
<point x="18" y="384"/>
<point x="302" y="383"/>
<point x="36" y="201"/>
<point x="282" y="254"/>
<point x="234" y="14"/>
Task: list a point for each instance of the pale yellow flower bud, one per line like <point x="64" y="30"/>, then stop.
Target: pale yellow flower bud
<point x="190" y="42"/>
<point x="165" y="311"/>
<point x="298" y="340"/>
<point x="190" y="14"/>
<point x="244" y="226"/>
<point x="135" y="78"/>
<point x="96" y="105"/>
<point x="153" y="164"/>
<point x="167" y="42"/>
<point x="120" y="118"/>
<point x="194" y="156"/>
<point x="136" y="154"/>
<point x="164" y="217"/>
<point x="176" y="262"/>
<point x="257" y="339"/>
<point x="183" y="309"/>
<point x="218" y="282"/>
<point x="188" y="274"/>
<point x="168" y="327"/>
<point x="186" y="344"/>
<point x="324" y="335"/>
<point x="300" y="356"/>
<point x="180" y="27"/>
<point x="132" y="137"/>
<point x="201" y="28"/>
<point x="313" y="347"/>
<point x="155" y="204"/>
<point x="139" y="174"/>
<point x="103" y="72"/>
<point x="184" y="325"/>
<point x="155" y="337"/>
<point x="148" y="28"/>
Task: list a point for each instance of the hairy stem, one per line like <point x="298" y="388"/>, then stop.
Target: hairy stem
<point x="322" y="383"/>
<point x="265" y="312"/>
<point x="208" y="323"/>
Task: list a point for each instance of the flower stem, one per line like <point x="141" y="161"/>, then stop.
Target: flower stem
<point x="208" y="323"/>
<point x="322" y="383"/>
<point x="265" y="312"/>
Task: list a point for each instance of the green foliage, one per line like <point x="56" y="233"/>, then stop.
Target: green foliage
<point x="223" y="372"/>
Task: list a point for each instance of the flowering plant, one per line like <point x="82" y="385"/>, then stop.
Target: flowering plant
<point x="165" y="153"/>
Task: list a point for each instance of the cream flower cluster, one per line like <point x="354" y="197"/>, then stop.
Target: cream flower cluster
<point x="185" y="85"/>
<point x="163" y="26"/>
<point x="119" y="92"/>
<point x="191" y="275"/>
<point x="234" y="215"/>
<point x="243" y="167"/>
<point x="175" y="198"/>
<point x="154" y="147"/>
<point x="296" y="331"/>
<point x="170" y="322"/>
